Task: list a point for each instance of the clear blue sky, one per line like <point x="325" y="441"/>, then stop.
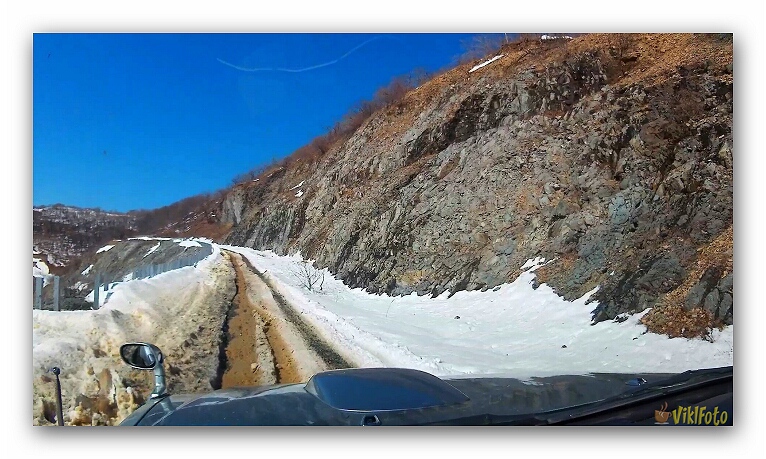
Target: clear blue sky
<point x="131" y="121"/>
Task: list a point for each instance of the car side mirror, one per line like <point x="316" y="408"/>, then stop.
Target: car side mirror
<point x="141" y="355"/>
<point x="145" y="356"/>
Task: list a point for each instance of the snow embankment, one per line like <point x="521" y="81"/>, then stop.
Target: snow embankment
<point x="513" y="329"/>
<point x="166" y="310"/>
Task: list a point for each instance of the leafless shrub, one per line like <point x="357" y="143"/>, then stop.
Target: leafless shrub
<point x="479" y="46"/>
<point x="308" y="276"/>
<point x="621" y="43"/>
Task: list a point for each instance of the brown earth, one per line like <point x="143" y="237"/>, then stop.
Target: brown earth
<point x="256" y="354"/>
<point x="245" y="351"/>
<point x="268" y="345"/>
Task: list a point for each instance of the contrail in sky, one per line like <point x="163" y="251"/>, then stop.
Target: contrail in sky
<point x="313" y="67"/>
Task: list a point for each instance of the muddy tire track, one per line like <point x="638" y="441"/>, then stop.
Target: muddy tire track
<point x="249" y="360"/>
<point x="259" y="350"/>
<point x="332" y="359"/>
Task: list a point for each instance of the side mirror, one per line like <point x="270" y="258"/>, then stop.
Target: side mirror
<point x="141" y="355"/>
<point x="145" y="356"/>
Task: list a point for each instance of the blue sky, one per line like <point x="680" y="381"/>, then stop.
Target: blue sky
<point x="138" y="121"/>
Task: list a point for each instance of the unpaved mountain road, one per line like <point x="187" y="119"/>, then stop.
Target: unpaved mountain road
<point x="267" y="341"/>
<point x="219" y="325"/>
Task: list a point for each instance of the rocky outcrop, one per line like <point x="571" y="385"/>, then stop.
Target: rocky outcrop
<point x="612" y="158"/>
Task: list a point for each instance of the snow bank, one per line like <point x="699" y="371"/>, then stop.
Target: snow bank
<point x="85" y="344"/>
<point x="514" y="329"/>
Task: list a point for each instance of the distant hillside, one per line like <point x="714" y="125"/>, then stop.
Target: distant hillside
<point x="63" y="235"/>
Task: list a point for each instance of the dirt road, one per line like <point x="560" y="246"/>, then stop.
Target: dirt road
<point x="267" y="340"/>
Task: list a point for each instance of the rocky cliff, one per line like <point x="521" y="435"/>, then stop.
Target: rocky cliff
<point x="611" y="155"/>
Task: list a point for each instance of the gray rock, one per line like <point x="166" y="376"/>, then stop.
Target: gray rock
<point x="619" y="210"/>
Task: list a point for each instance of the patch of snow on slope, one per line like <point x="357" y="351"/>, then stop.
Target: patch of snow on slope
<point x="104" y="248"/>
<point x="297" y="186"/>
<point x="86" y="270"/>
<point x="535" y="263"/>
<point x="187" y="244"/>
<point x="554" y="37"/>
<point x="515" y="329"/>
<point x="80" y="286"/>
<point x="148" y="238"/>
<point x="39" y="268"/>
<point x="154" y="247"/>
<point x="477" y="67"/>
<point x="299" y="194"/>
<point x="532" y="262"/>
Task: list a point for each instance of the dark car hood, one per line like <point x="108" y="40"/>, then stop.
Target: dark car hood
<point x="393" y="396"/>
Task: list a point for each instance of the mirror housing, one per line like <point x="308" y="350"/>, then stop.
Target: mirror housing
<point x="143" y="356"/>
<point x="146" y="356"/>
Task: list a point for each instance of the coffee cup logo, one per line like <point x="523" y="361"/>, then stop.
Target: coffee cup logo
<point x="661" y="416"/>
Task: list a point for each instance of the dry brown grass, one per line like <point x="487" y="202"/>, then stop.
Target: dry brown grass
<point x="676" y="322"/>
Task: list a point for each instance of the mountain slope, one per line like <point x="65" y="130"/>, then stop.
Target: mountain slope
<point x="611" y="155"/>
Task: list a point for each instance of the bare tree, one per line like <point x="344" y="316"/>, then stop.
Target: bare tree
<point x="309" y="277"/>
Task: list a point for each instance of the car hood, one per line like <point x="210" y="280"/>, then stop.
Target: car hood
<point x="391" y="396"/>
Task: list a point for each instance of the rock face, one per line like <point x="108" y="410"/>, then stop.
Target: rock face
<point x="611" y="155"/>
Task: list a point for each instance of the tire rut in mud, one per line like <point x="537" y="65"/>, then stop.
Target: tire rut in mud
<point x="257" y="354"/>
<point x="216" y="381"/>
<point x="246" y="358"/>
<point x="331" y="358"/>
